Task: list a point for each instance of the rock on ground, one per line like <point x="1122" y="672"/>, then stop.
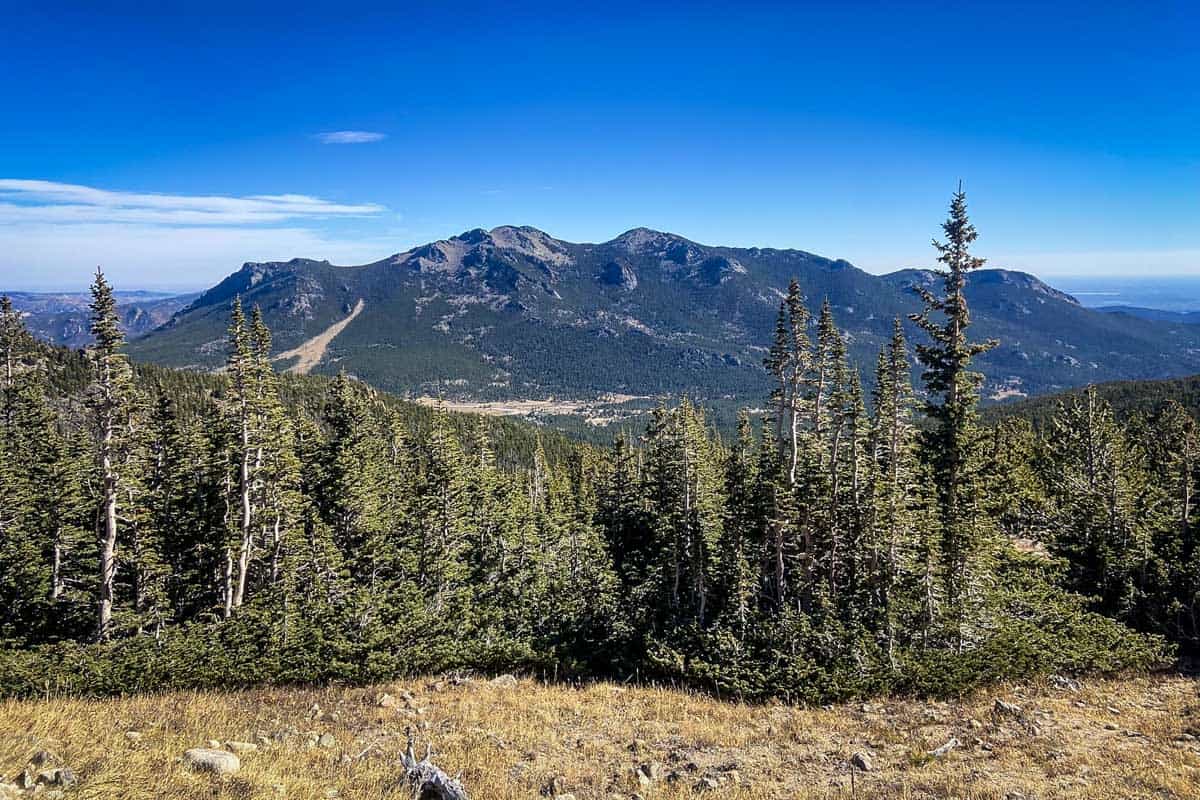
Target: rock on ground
<point x="219" y="762"/>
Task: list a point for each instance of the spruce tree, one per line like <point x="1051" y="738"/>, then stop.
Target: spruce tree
<point x="110" y="399"/>
<point x="742" y="533"/>
<point x="891" y="544"/>
<point x="952" y="442"/>
<point x="1105" y="508"/>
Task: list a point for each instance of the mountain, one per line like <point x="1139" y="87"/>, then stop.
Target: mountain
<point x="63" y="318"/>
<point x="1181" y="317"/>
<point x="514" y="312"/>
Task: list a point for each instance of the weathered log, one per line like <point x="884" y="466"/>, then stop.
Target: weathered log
<point x="427" y="781"/>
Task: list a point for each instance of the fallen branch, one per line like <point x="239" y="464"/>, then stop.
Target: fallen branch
<point x="427" y="781"/>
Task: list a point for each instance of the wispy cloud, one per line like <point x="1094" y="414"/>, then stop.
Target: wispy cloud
<point x="53" y="233"/>
<point x="47" y="201"/>
<point x="350" y="137"/>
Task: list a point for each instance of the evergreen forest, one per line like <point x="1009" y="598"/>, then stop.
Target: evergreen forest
<point x="166" y="529"/>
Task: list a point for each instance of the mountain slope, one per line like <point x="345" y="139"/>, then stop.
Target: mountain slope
<point x="514" y="312"/>
<point x="63" y="318"/>
<point x="1184" y="317"/>
<point x="1127" y="398"/>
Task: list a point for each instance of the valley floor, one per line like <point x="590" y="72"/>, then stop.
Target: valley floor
<point x="515" y="739"/>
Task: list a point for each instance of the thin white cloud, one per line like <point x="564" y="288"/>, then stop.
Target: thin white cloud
<point x="54" y="234"/>
<point x="350" y="137"/>
<point x="29" y="201"/>
<point x="41" y="256"/>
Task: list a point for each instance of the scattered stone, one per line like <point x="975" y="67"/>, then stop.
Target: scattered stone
<point x="133" y="736"/>
<point x="648" y="773"/>
<point x="556" y="786"/>
<point x="219" y="762"/>
<point x="567" y="796"/>
<point x="1113" y="710"/>
<point x="1063" y="682"/>
<point x="1111" y="726"/>
<point x="331" y="792"/>
<point x="56" y="777"/>
<point x="385" y="700"/>
<point x="25" y="780"/>
<point x="637" y="745"/>
<point x="504" y="680"/>
<point x="326" y="740"/>
<point x="1004" y="708"/>
<point x="944" y="749"/>
<point x="241" y="747"/>
<point x="42" y="757"/>
<point x="861" y="761"/>
<point x="706" y="785"/>
<point x="213" y="744"/>
<point x="734" y="777"/>
<point x="287" y="733"/>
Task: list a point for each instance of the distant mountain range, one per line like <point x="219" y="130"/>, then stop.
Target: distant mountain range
<point x="62" y="317"/>
<point x="515" y="313"/>
<point x="1180" y="317"/>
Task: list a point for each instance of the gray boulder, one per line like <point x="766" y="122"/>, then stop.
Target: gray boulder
<point x="218" y="762"/>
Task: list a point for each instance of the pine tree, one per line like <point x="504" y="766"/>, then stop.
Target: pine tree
<point x="892" y="539"/>
<point x="743" y="532"/>
<point x="1105" y="510"/>
<point x="443" y="518"/>
<point x="31" y="451"/>
<point x="684" y="490"/>
<point x="952" y="443"/>
<point x="111" y="399"/>
<point x="246" y="456"/>
<point x="279" y="499"/>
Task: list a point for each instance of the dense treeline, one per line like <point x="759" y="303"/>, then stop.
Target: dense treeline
<point x="162" y="529"/>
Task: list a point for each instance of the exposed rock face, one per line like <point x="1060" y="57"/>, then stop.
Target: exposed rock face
<point x="218" y="762"/>
<point x="718" y="269"/>
<point x="619" y="273"/>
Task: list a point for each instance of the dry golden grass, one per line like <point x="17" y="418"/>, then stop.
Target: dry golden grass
<point x="1119" y="739"/>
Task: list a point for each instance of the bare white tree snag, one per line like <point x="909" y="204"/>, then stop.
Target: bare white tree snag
<point x="427" y="781"/>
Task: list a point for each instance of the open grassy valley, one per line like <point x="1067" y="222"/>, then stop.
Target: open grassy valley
<point x="509" y="739"/>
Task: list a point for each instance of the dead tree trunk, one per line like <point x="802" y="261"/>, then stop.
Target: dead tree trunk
<point x="427" y="781"/>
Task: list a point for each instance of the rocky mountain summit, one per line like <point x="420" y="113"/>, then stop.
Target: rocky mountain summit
<point x="514" y="312"/>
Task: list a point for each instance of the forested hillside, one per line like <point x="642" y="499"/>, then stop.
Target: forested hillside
<point x="1128" y="399"/>
<point x="166" y="529"/>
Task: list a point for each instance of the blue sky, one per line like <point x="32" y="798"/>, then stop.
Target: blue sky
<point x="170" y="146"/>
